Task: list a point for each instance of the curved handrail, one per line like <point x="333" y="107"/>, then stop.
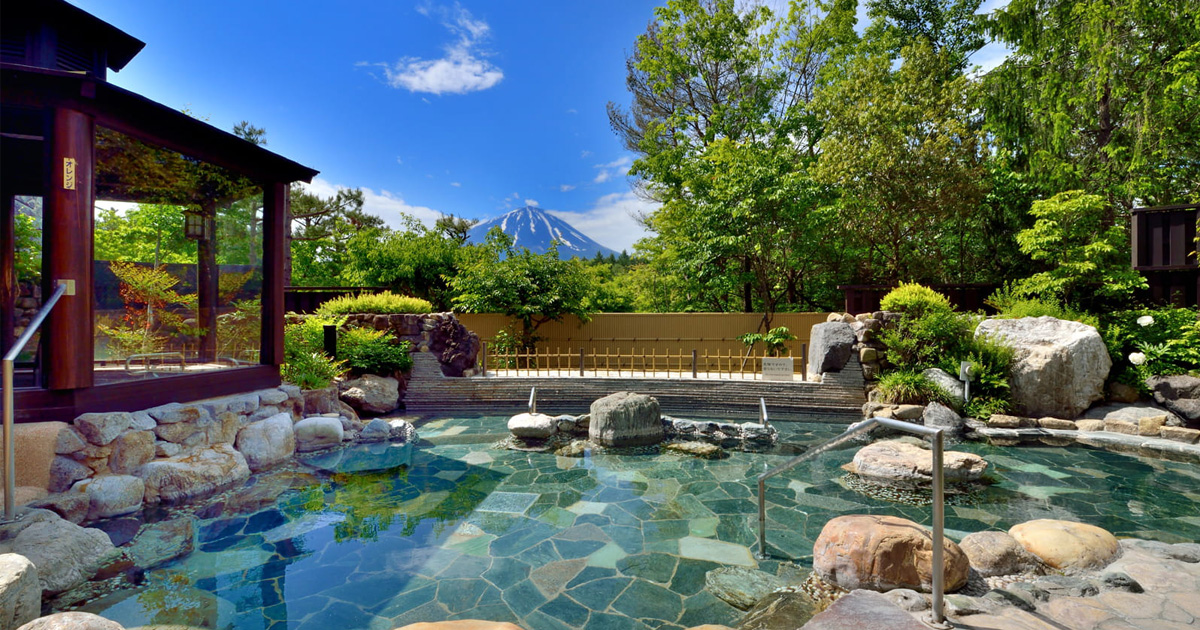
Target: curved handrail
<point x="10" y="466"/>
<point x="937" y="614"/>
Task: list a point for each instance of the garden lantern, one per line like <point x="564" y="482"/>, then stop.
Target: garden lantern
<point x="195" y="225"/>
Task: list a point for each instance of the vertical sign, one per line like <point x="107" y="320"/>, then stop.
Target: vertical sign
<point x="68" y="173"/>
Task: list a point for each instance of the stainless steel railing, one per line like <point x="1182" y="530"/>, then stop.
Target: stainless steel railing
<point x="10" y="466"/>
<point x="937" y="615"/>
<point x="532" y="400"/>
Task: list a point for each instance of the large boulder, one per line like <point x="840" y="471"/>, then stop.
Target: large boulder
<point x="73" y="620"/>
<point x="1067" y="545"/>
<point x="102" y="428"/>
<point x="267" y="442"/>
<point x="626" y="419"/>
<point x="881" y="553"/>
<point x="193" y="475"/>
<point x="371" y="393"/>
<point x="1180" y="394"/>
<point x="532" y="425"/>
<point x="318" y="432"/>
<point x="20" y="593"/>
<point x="1132" y="412"/>
<point x="1059" y="366"/>
<point x="319" y="401"/>
<point x="829" y="347"/>
<point x="939" y="416"/>
<point x="65" y="554"/>
<point x="996" y="553"/>
<point x="113" y="495"/>
<point x="901" y="463"/>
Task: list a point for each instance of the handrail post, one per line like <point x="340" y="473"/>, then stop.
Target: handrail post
<point x="532" y="400"/>
<point x="10" y="465"/>
<point x="938" y="614"/>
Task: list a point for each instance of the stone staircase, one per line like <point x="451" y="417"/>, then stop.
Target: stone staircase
<point x="840" y="395"/>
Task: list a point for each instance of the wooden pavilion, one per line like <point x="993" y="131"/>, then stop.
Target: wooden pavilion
<point x="70" y="140"/>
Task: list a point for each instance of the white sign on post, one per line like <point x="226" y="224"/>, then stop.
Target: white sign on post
<point x="777" y="369"/>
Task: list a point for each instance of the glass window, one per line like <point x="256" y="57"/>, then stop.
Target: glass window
<point x="178" y="263"/>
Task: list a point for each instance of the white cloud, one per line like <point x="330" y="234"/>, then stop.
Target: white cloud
<point x="572" y="111"/>
<point x="584" y="153"/>
<point x="464" y="67"/>
<point x="456" y="184"/>
<point x="383" y="204"/>
<point x="566" y="188"/>
<point x="532" y="202"/>
<point x="615" y="168"/>
<point x="399" y="160"/>
<point x="612" y="220"/>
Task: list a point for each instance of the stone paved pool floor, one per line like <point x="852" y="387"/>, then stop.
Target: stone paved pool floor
<point x="604" y="542"/>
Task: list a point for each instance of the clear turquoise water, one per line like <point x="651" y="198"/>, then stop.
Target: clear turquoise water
<point x="604" y="542"/>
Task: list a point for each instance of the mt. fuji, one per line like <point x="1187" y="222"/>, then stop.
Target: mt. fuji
<point x="535" y="229"/>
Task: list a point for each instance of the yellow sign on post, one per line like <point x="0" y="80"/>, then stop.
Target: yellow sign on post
<point x="68" y="173"/>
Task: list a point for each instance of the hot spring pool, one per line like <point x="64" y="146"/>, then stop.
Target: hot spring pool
<point x="606" y="542"/>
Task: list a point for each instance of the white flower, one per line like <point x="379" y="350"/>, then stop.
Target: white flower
<point x="1145" y="320"/>
<point x="1137" y="358"/>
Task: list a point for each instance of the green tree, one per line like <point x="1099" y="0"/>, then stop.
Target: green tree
<point x="320" y="231"/>
<point x="533" y="288"/>
<point x="414" y="260"/>
<point x="1086" y="260"/>
<point x="1101" y="95"/>
<point x="904" y="146"/>
<point x="719" y="118"/>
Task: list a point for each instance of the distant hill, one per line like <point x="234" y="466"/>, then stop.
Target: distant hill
<point x="535" y="229"/>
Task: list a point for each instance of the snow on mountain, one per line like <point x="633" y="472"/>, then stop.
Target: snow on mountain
<point x="535" y="228"/>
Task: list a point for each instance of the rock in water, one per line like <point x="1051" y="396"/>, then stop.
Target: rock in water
<point x="901" y="463"/>
<point x="997" y="553"/>
<point x="830" y="347"/>
<point x="1059" y="366"/>
<point x="881" y="553"/>
<point x="1066" y="544"/>
<point x="703" y="450"/>
<point x="781" y="610"/>
<point x="267" y="442"/>
<point x="20" y="593"/>
<point x="73" y="620"/>
<point x="742" y="588"/>
<point x="66" y="555"/>
<point x="317" y="432"/>
<point x="371" y="393"/>
<point x="626" y="419"/>
<point x="532" y="425"/>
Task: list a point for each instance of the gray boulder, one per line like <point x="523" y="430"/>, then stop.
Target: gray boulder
<point x="1131" y="413"/>
<point x="371" y="393"/>
<point x="901" y="463"/>
<point x="740" y="587"/>
<point x="267" y="442"/>
<point x="532" y="425"/>
<point x="319" y="401"/>
<point x="830" y="346"/>
<point x="191" y="475"/>
<point x="65" y="554"/>
<point x="994" y="553"/>
<point x="376" y="430"/>
<point x="318" y="432"/>
<point x="1180" y="394"/>
<point x="785" y="609"/>
<point x="102" y="428"/>
<point x="113" y="495"/>
<point x="1059" y="366"/>
<point x="64" y="472"/>
<point x="948" y="384"/>
<point x="161" y="542"/>
<point x="20" y="593"/>
<point x="940" y="416"/>
<point x="626" y="419"/>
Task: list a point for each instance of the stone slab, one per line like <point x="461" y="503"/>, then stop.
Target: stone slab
<point x="859" y="610"/>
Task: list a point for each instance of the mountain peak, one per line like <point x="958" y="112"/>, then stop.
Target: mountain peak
<point x="534" y="228"/>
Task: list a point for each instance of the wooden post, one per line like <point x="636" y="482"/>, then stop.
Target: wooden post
<point x="68" y="335"/>
<point x="275" y="213"/>
<point x="484" y="351"/>
<point x="693" y="363"/>
<point x="207" y="282"/>
<point x="804" y="361"/>
<point x="581" y="360"/>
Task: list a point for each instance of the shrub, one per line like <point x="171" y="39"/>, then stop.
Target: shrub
<point x="1152" y="342"/>
<point x="915" y="300"/>
<point x="905" y="387"/>
<point x="775" y="340"/>
<point x="368" y="351"/>
<point x="385" y="303"/>
<point x="305" y="363"/>
<point x="991" y="363"/>
<point x="1010" y="304"/>
<point x="916" y="343"/>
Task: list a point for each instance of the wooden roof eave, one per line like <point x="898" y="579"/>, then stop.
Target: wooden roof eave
<point x="138" y="116"/>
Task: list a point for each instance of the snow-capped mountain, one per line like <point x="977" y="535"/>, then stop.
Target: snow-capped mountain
<point x="535" y="228"/>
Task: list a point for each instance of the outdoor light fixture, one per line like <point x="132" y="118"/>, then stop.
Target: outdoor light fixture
<point x="195" y="225"/>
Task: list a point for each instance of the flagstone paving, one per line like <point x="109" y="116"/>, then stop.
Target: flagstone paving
<point x="619" y="542"/>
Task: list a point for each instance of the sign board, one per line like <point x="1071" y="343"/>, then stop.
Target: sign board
<point x="777" y="369"/>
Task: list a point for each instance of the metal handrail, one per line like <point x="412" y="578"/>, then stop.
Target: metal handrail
<point x="762" y="412"/>
<point x="532" y="400"/>
<point x="10" y="466"/>
<point x="937" y="615"/>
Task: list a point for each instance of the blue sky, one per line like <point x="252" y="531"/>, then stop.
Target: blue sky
<point x="469" y="108"/>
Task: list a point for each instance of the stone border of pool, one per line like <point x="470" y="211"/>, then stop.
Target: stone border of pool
<point x="1145" y="446"/>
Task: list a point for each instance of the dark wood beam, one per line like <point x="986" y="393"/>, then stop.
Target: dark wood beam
<point x="275" y="214"/>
